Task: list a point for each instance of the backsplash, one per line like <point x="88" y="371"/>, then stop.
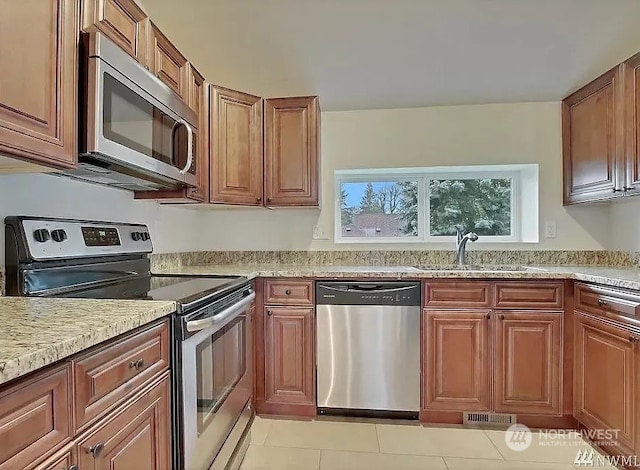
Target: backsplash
<point x="391" y="258"/>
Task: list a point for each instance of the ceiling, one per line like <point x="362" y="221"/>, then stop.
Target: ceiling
<point x="361" y="54"/>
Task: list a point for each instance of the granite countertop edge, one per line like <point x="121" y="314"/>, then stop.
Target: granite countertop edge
<point x="37" y="339"/>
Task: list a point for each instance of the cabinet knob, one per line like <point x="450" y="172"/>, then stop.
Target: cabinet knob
<point x="73" y="467"/>
<point x="139" y="364"/>
<point x="488" y="316"/>
<point x="146" y="67"/>
<point x="288" y="292"/>
<point x="268" y="199"/>
<point x="269" y="312"/>
<point x="501" y="317"/>
<point x="96" y="450"/>
<point x="602" y="302"/>
<point x="617" y="190"/>
<point x="633" y="339"/>
<point x="258" y="199"/>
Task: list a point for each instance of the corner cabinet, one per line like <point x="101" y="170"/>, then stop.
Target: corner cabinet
<point x="292" y="150"/>
<point x="601" y="136"/>
<point x="38" y="95"/>
<point x="236" y="148"/>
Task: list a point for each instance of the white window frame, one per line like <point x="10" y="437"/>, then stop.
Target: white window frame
<point x="424" y="176"/>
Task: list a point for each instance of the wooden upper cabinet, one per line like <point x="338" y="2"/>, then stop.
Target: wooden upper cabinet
<point x="607" y="379"/>
<point x="292" y="141"/>
<point x="528" y="363"/>
<point x="35" y="419"/>
<point x="198" y="101"/>
<point x="289" y="356"/>
<point x="139" y="437"/>
<point x="456" y="360"/>
<point x="236" y="148"/>
<point x="168" y="64"/>
<point x="632" y="117"/>
<point x="122" y="21"/>
<point x="593" y="140"/>
<point x="39" y="83"/>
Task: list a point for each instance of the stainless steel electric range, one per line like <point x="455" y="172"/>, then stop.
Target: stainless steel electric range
<point x="211" y="330"/>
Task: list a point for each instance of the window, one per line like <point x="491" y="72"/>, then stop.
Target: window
<point x="428" y="204"/>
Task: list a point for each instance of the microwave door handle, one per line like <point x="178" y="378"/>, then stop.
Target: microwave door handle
<point x="182" y="122"/>
<point x="235" y="309"/>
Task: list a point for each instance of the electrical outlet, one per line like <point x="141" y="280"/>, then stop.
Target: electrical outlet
<point x="550" y="230"/>
<point x="319" y="233"/>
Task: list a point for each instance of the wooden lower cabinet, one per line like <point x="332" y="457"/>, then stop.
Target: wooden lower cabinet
<point x="456" y="360"/>
<point x="64" y="460"/>
<point x="289" y="358"/>
<point x="528" y="362"/>
<point x="138" y="437"/>
<point x="607" y="374"/>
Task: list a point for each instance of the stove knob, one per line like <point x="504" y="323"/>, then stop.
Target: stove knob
<point x="59" y="235"/>
<point x="136" y="236"/>
<point x="145" y="236"/>
<point x="41" y="235"/>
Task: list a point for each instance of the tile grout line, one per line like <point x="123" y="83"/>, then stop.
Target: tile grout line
<point x="375" y="426"/>
<point x="494" y="445"/>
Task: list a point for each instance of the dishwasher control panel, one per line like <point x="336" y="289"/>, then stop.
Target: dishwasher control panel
<point x="391" y="293"/>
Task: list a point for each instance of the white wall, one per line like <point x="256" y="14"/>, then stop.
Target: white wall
<point x="625" y="224"/>
<point x="463" y="135"/>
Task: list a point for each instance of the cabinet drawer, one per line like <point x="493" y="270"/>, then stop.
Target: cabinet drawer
<point x="284" y="292"/>
<point x="457" y="294"/>
<point x="34" y="418"/>
<point x="103" y="378"/>
<point x="529" y="295"/>
<point x="63" y="460"/>
<point x="610" y="302"/>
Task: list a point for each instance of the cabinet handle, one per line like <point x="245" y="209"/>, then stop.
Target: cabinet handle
<point x="96" y="450"/>
<point x="73" y="467"/>
<point x="617" y="190"/>
<point x="629" y="188"/>
<point x="602" y="303"/>
<point x="488" y="316"/>
<point x="269" y="312"/>
<point x="287" y="292"/>
<point x="139" y="364"/>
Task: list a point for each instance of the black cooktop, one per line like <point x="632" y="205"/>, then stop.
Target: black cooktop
<point x="185" y="290"/>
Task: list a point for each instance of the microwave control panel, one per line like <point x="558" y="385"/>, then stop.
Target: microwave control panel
<point x="100" y="236"/>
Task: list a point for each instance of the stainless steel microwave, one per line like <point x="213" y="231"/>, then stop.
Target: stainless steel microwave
<point x="135" y="132"/>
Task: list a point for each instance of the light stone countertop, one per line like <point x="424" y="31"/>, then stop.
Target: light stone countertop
<point x="627" y="278"/>
<point x="36" y="332"/>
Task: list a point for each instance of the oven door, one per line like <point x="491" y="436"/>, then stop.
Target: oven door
<point x="216" y="381"/>
<point x="135" y="120"/>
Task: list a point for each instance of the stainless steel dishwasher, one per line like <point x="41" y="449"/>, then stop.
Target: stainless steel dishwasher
<point x="368" y="347"/>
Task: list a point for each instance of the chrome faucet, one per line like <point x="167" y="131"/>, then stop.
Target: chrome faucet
<point x="461" y="245"/>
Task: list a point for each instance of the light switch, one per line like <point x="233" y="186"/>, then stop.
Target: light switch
<point x="550" y="230"/>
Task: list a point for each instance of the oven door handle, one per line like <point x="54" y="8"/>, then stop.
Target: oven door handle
<point x="234" y="310"/>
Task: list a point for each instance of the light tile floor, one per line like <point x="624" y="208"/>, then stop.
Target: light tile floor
<point x="280" y="444"/>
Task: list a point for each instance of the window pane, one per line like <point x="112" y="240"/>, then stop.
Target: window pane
<point x="482" y="206"/>
<point x="379" y="209"/>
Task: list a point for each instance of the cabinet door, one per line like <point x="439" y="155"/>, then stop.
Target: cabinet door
<point x="168" y="64"/>
<point x="456" y="360"/>
<point x="137" y="438"/>
<point x="38" y="88"/>
<point x="289" y="355"/>
<point x="35" y="418"/>
<point x="199" y="102"/>
<point x="122" y="21"/>
<point x="593" y="140"/>
<point x="292" y="141"/>
<point x="236" y="145"/>
<point x="606" y="379"/>
<point x="632" y="100"/>
<point x="528" y="362"/>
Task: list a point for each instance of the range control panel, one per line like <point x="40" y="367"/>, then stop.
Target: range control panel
<point x="62" y="238"/>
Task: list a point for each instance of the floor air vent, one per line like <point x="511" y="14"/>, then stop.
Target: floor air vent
<point x="495" y="419"/>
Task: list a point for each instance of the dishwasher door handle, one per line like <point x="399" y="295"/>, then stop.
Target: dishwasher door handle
<point x="364" y="288"/>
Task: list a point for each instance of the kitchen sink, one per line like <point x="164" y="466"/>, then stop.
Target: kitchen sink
<point x="471" y="267"/>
